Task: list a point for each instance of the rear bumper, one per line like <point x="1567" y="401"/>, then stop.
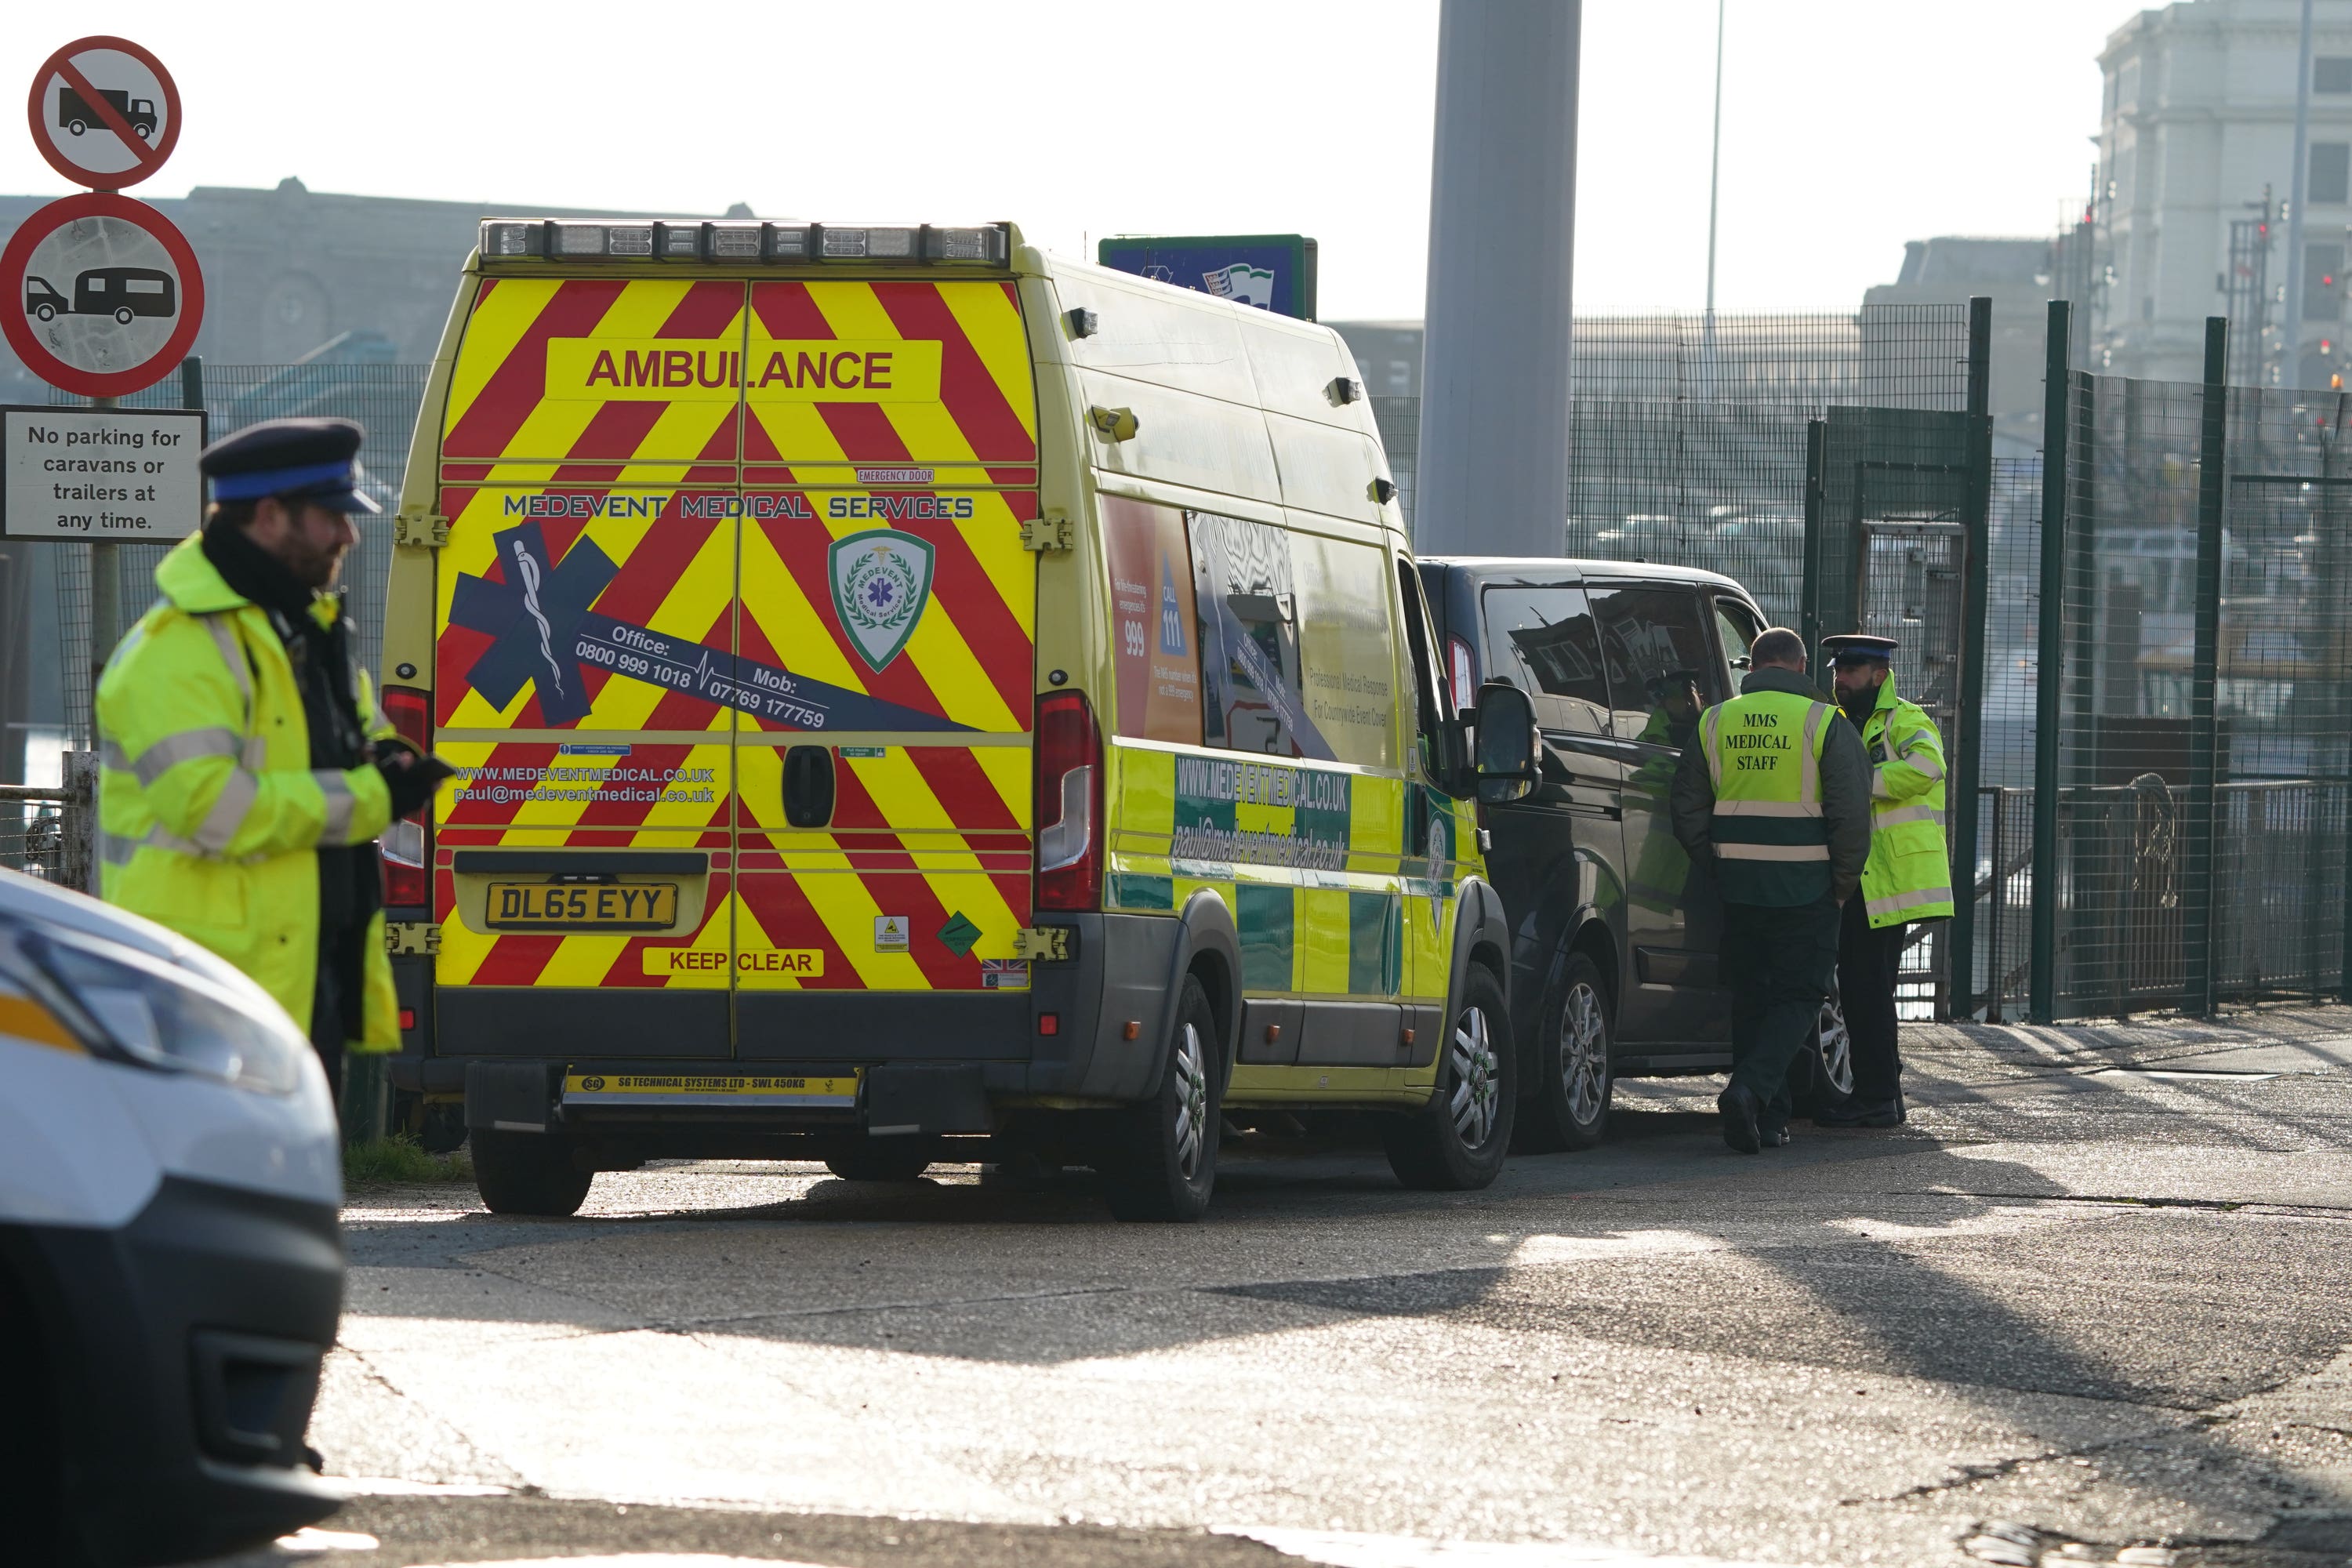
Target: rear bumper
<point x="184" y="1353"/>
<point x="1068" y="1036"/>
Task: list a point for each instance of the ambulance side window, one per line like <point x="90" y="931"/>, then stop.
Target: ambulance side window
<point x="1347" y="648"/>
<point x="1247" y="608"/>
<point x="1430" y="745"/>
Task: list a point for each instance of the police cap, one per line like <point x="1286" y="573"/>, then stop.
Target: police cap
<point x="312" y="461"/>
<point x="1859" y="648"/>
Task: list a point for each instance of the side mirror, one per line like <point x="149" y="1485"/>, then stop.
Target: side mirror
<point x="1505" y="749"/>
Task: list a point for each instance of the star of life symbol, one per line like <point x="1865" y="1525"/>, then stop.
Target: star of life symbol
<point x="881" y="585"/>
<point x="1250" y="285"/>
<point x="527" y="570"/>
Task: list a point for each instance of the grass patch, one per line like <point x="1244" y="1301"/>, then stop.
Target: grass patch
<point x="402" y="1159"/>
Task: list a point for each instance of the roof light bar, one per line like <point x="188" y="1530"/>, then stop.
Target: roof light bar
<point x="741" y="243"/>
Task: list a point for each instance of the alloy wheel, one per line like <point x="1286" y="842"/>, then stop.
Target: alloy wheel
<point x="1477" y="1093"/>
<point x="1583" y="1068"/>
<point x="1837" y="1047"/>
<point x="1192" y="1101"/>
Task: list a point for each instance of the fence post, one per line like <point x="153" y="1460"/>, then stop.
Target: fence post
<point x="78" y="823"/>
<point x="1817" y="457"/>
<point x="2204" y="733"/>
<point x="1969" y="742"/>
<point x="2050" y="667"/>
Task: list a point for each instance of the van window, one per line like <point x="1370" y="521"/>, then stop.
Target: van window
<point x="1347" y="648"/>
<point x="1247" y="611"/>
<point x="1154" y="630"/>
<point x="1662" y="671"/>
<point x="1544" y="639"/>
<point x="1737" y="624"/>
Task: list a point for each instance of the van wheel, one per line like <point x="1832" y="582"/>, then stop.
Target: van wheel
<point x="1570" y="1106"/>
<point x="528" y="1173"/>
<point x="883" y="1160"/>
<point x="1162" y="1164"/>
<point x="45" y="311"/>
<point x="1823" y="1074"/>
<point x="1456" y="1142"/>
<point x="122" y="314"/>
<point x="78" y="127"/>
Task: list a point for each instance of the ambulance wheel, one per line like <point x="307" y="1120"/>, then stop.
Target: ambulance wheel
<point x="1162" y="1160"/>
<point x="882" y="1159"/>
<point x="1456" y="1142"/>
<point x="528" y="1173"/>
<point x="1570" y="1108"/>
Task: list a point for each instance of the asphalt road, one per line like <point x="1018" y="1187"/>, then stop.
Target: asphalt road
<point x="2074" y="1312"/>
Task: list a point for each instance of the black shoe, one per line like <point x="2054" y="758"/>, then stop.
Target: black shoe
<point x="1774" y="1137"/>
<point x="1864" y="1113"/>
<point x="1739" y="1108"/>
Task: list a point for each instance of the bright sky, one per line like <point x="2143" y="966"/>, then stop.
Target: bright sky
<point x="1850" y="126"/>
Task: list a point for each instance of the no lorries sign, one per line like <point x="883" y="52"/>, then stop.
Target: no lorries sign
<point x="105" y="113"/>
<point x="100" y="473"/>
<point x="103" y="295"/>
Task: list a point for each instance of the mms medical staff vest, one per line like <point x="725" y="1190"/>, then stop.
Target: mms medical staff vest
<point x="1763" y="753"/>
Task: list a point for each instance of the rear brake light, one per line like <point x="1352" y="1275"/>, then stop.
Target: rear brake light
<point x="1465" y="673"/>
<point x="1069" y="806"/>
<point x="407" y="846"/>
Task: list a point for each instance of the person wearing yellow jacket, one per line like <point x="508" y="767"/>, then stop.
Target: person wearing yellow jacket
<point x="1908" y="876"/>
<point x="244" y="768"/>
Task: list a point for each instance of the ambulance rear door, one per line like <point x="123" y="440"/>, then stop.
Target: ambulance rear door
<point x="887" y="616"/>
<point x="585" y="668"/>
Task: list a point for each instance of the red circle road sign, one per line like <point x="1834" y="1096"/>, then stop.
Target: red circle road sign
<point x="105" y="112"/>
<point x="104" y="296"/>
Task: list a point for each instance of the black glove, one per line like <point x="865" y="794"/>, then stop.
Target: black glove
<point x="411" y="778"/>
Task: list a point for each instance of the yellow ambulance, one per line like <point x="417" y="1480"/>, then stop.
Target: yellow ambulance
<point x="918" y="699"/>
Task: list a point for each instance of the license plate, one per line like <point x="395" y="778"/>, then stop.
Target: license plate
<point x="583" y="905"/>
<point x="833" y="1093"/>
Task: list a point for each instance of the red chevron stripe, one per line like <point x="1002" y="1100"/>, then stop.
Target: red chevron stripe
<point x="955" y="777"/>
<point x="784" y="912"/>
<point x="972" y="398"/>
<point x="788" y="311"/>
<point x="515" y="959"/>
<point x="864" y="431"/>
<point x="629" y="969"/>
<point x="989" y="626"/>
<point x="911" y="895"/>
<point x="519" y="383"/>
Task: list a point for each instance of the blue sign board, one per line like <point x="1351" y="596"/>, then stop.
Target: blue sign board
<point x="1272" y="271"/>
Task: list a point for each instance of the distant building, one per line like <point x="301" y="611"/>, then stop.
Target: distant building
<point x="2016" y="275"/>
<point x="2197" y="126"/>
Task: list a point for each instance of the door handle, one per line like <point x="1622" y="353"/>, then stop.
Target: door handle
<point x="808" y="786"/>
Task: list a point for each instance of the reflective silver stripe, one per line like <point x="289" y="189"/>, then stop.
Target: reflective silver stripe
<point x="232" y="654"/>
<point x="1879" y="788"/>
<point x="1925" y="763"/>
<point x="172" y="750"/>
<point x="110" y="756"/>
<point x="1902" y="902"/>
<point x="1709" y="723"/>
<point x="116" y="848"/>
<point x="1809" y="766"/>
<point x="340" y="802"/>
<point x="1768" y="808"/>
<point x="1771" y="851"/>
<point x="256" y="755"/>
<point x="1903" y="814"/>
<point x="227" y="814"/>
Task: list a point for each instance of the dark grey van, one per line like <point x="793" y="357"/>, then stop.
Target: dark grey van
<point x="1614" y="930"/>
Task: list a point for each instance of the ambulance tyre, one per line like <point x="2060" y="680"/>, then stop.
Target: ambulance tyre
<point x="882" y="1159"/>
<point x="528" y="1173"/>
<point x="1162" y="1161"/>
<point x="1457" y="1142"/>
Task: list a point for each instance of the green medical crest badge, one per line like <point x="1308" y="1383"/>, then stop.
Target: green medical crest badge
<point x="881" y="582"/>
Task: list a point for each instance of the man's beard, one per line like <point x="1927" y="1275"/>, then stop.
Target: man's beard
<point x="315" y="569"/>
<point x="1859" y="703"/>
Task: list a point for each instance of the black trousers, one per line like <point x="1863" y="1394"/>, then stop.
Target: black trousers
<point x="328" y="1031"/>
<point x="1867" y="962"/>
<point x="1778" y="963"/>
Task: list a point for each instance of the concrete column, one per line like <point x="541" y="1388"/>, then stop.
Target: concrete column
<point x="1493" y="469"/>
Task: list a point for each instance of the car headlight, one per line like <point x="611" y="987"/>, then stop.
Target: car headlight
<point x="128" y="1007"/>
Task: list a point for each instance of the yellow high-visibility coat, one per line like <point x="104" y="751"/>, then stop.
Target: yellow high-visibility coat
<point x="1909" y="876"/>
<point x="210" y="815"/>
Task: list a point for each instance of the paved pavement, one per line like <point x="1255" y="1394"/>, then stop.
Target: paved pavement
<point x="2093" y="1304"/>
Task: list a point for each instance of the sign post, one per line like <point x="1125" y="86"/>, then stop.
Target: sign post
<point x="103" y="297"/>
